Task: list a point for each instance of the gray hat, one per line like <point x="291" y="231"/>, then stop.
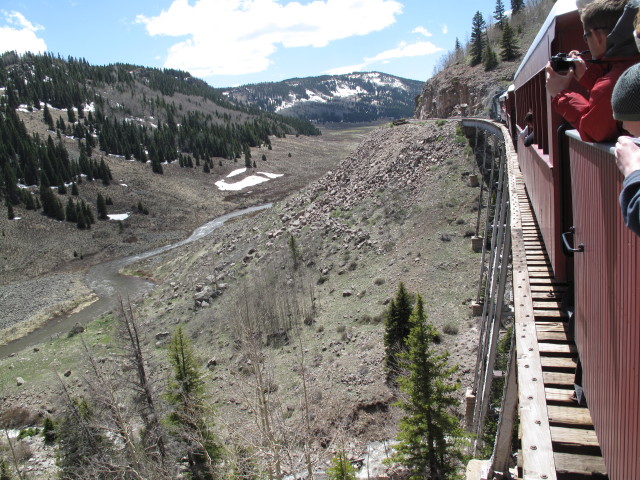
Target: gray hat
<point x="625" y="99"/>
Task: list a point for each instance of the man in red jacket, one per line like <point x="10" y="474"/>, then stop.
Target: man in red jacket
<point x="608" y="31"/>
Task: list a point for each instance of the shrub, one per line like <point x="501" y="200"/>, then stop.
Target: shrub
<point x="450" y="328"/>
<point x="379" y="281"/>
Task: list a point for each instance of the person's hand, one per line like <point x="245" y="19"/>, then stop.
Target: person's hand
<point x="579" y="65"/>
<point x="556" y="82"/>
<point x="627" y="155"/>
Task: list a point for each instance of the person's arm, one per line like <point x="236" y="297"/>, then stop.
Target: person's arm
<point x="628" y="161"/>
<point x="597" y="123"/>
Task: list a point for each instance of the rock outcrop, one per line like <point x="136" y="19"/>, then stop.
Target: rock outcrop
<point x="461" y="90"/>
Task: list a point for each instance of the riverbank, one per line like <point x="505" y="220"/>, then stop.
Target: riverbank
<point x="28" y="305"/>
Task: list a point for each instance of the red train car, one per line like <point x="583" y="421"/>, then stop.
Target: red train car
<point x="573" y="186"/>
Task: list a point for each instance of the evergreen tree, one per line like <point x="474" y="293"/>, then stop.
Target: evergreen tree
<point x="516" y="6"/>
<point x="71" y="213"/>
<point x="49" y="431"/>
<point x="247" y="156"/>
<point x="477" y="38"/>
<point x="48" y="119"/>
<point x="12" y="192"/>
<point x="508" y="43"/>
<point x="186" y="395"/>
<point x="341" y="468"/>
<point x="430" y="440"/>
<point x="71" y="115"/>
<point x="4" y="470"/>
<point x="397" y="328"/>
<point x="490" y="60"/>
<point x="101" y="207"/>
<point x="498" y="14"/>
<point x="457" y="46"/>
<point x="10" y="213"/>
<point x="156" y="166"/>
<point x="74" y="189"/>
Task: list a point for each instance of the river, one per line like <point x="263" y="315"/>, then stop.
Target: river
<point x="107" y="283"/>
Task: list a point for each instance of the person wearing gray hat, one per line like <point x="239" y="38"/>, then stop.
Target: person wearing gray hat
<point x="625" y="103"/>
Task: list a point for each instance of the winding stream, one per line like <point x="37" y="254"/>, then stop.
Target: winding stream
<point x="106" y="281"/>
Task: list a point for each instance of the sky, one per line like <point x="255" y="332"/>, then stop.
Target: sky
<point x="234" y="42"/>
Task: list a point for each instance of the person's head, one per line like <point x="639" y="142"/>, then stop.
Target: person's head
<point x="598" y="19"/>
<point x="528" y="119"/>
<point x="625" y="100"/>
<point x="636" y="32"/>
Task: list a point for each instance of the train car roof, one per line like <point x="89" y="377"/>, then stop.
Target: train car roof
<point x="539" y="47"/>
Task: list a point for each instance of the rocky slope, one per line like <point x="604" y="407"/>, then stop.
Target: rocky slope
<point x="397" y="209"/>
<point x="462" y="90"/>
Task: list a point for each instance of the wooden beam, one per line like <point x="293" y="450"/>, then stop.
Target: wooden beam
<point x="565" y="363"/>
<point x="567" y="463"/>
<point x="559" y="379"/>
<point x="537" y="450"/>
<point x="574" y="437"/>
<point x="569" y="415"/>
<point x="560" y="395"/>
<point x="558" y="349"/>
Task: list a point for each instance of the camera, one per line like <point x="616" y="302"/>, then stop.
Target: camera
<point x="561" y="62"/>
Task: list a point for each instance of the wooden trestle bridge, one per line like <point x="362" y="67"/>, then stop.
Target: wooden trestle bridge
<point x="517" y="286"/>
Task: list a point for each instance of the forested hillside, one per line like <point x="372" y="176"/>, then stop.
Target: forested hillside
<point x="150" y="115"/>
<point x="355" y="97"/>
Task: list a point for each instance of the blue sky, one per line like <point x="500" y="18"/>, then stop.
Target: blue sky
<point x="233" y="42"/>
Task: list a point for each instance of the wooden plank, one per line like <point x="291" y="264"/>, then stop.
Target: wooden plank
<point x="558" y="348"/>
<point x="550" y="303"/>
<point x="550" y="327"/>
<point x="574" y="437"/>
<point x="559" y="395"/>
<point x="555" y="336"/>
<point x="569" y="415"/>
<point x="559" y="379"/>
<point x="586" y="465"/>
<point x="550" y="313"/>
<point x="558" y="362"/>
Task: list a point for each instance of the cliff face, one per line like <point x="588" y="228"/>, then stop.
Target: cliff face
<point x="461" y="90"/>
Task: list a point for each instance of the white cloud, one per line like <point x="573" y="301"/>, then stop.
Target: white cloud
<point x="19" y="34"/>
<point x="422" y="31"/>
<point x="232" y="37"/>
<point x="445" y="29"/>
<point x="417" y="49"/>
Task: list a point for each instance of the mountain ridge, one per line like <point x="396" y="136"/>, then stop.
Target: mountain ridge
<point x="353" y="97"/>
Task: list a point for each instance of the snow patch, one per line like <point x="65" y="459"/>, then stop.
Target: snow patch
<point x="249" y="181"/>
<point x="270" y="175"/>
<point x="118" y="216"/>
<point x="237" y="172"/>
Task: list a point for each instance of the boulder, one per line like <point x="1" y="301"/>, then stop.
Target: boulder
<point x="20" y="381"/>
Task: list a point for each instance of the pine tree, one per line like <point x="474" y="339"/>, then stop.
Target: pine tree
<point x="71" y="213"/>
<point x="74" y="189"/>
<point x="477" y="38"/>
<point x="101" y="207"/>
<point x="4" y="470"/>
<point x="490" y="60"/>
<point x="49" y="431"/>
<point x="71" y="115"/>
<point x="186" y="395"/>
<point x="48" y="119"/>
<point x="341" y="468"/>
<point x="10" y="213"/>
<point x="397" y="328"/>
<point x="508" y="43"/>
<point x="430" y="440"/>
<point x="516" y="6"/>
<point x="498" y="14"/>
